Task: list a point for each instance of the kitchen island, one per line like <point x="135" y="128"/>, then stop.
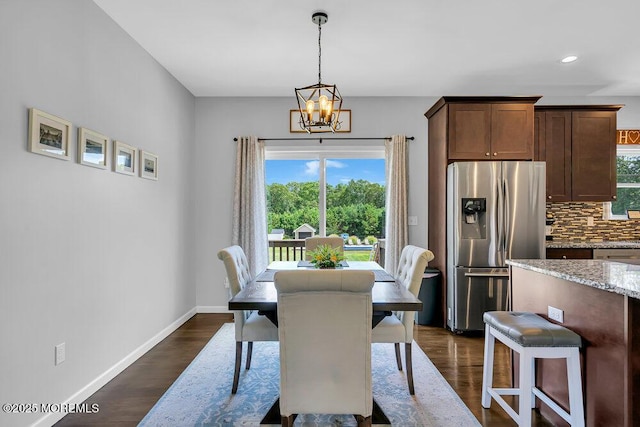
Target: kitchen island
<point x="600" y="300"/>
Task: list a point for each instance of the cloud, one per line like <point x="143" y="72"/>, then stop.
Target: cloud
<point x="335" y="164"/>
<point x="311" y="167"/>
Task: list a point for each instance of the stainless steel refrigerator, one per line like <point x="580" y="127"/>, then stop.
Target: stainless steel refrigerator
<point x="495" y="212"/>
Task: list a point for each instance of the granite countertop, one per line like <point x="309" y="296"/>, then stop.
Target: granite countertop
<point x="565" y="244"/>
<point x="621" y="278"/>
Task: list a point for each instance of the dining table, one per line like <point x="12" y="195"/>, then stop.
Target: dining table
<point x="387" y="296"/>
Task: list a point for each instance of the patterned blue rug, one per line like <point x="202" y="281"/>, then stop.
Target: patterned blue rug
<point x="201" y="396"/>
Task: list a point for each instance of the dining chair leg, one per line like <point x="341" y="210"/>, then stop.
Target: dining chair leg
<point x="363" y="421"/>
<point x="236" y="371"/>
<point x="407" y="360"/>
<point x="249" y="351"/>
<point x="398" y="360"/>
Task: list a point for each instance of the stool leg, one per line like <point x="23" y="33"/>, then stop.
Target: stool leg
<point x="524" y="399"/>
<point x="487" y="368"/>
<point x="533" y="382"/>
<point x="575" y="388"/>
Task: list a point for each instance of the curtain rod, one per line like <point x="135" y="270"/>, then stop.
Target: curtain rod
<point x="320" y="139"/>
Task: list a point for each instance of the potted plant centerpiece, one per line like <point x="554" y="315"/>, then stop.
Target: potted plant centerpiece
<point x="326" y="256"/>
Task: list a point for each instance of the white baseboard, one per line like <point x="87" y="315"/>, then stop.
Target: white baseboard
<point x="112" y="372"/>
<point x="212" y="309"/>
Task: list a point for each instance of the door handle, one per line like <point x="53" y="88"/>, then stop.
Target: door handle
<point x="486" y="274"/>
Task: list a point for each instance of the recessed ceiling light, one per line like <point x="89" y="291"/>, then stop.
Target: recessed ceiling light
<point x="569" y="58"/>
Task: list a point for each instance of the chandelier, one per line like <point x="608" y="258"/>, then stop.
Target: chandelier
<point x="319" y="104"/>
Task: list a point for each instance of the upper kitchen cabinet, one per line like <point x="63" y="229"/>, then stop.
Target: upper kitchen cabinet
<point x="487" y="128"/>
<point x="579" y="145"/>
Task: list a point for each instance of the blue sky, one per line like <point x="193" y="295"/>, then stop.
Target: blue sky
<point x="338" y="170"/>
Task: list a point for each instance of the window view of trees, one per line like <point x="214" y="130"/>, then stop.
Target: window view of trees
<point x="355" y="208"/>
<point x="628" y="169"/>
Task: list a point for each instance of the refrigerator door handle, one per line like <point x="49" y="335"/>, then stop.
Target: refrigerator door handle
<point x="506" y="221"/>
<point x="500" y="219"/>
<point x="486" y="274"/>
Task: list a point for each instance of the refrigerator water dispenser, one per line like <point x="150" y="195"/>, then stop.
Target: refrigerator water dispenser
<point x="474" y="219"/>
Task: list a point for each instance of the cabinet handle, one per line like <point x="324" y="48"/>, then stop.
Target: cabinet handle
<point x="564" y="257"/>
<point x="548" y="197"/>
<point x="486" y="154"/>
<point x="495" y="154"/>
<point x="614" y="197"/>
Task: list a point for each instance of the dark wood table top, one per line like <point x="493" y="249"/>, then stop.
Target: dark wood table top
<point x="262" y="296"/>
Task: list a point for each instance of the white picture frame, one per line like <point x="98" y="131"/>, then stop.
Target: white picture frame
<point x="92" y="148"/>
<point x="124" y="158"/>
<point x="49" y="135"/>
<point x="148" y="165"/>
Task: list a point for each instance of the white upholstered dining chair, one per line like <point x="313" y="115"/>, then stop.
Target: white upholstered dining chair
<point x="324" y="324"/>
<point x="398" y="328"/>
<point x="311" y="243"/>
<point x="249" y="325"/>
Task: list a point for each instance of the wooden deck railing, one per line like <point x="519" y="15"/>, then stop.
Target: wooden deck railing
<point x="286" y="250"/>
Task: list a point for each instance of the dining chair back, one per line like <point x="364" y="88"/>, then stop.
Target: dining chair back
<point x="324" y="325"/>
<point x="398" y="327"/>
<point x="249" y="325"/>
<point x="311" y="243"/>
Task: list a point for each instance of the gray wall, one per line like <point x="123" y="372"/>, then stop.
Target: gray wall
<point x="88" y="257"/>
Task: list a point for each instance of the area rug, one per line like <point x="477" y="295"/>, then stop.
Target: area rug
<point x="201" y="396"/>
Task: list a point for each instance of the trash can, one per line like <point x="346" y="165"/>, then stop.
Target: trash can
<point x="431" y="296"/>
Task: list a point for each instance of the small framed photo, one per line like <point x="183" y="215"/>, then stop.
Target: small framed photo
<point x="148" y="165"/>
<point x="92" y="148"/>
<point x="633" y="214"/>
<point x="49" y="135"/>
<point x="124" y="158"/>
<point x="344" y="122"/>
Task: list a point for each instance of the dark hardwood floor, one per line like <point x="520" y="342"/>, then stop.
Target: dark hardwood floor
<point x="126" y="399"/>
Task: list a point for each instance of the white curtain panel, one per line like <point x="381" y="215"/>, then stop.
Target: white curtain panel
<point x="250" y="203"/>
<point x="397" y="233"/>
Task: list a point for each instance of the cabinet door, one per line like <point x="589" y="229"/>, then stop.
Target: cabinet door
<point x="569" y="253"/>
<point x="469" y="131"/>
<point x="593" y="157"/>
<point x="557" y="125"/>
<point x="512" y="131"/>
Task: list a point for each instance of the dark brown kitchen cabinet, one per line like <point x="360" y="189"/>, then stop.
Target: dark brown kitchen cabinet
<point x="490" y="131"/>
<point x="579" y="145"/>
<point x="469" y="128"/>
<point x="569" y="253"/>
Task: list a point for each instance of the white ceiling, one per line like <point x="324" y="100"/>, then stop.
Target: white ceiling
<point x="391" y="48"/>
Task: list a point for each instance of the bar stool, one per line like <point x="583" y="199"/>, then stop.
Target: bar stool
<point x="532" y="337"/>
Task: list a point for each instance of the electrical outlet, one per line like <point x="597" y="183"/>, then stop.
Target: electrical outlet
<point x="60" y="353"/>
<point x="226" y="282"/>
<point x="413" y="220"/>
<point x="589" y="221"/>
<point x="555" y="314"/>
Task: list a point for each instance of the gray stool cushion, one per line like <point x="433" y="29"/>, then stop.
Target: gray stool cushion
<point x="531" y="330"/>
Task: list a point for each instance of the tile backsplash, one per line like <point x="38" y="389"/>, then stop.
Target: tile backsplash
<point x="571" y="224"/>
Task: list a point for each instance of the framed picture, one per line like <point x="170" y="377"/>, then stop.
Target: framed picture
<point x="344" y="121"/>
<point x="148" y="165"/>
<point x="49" y="135"/>
<point x="633" y="214"/>
<point x="124" y="158"/>
<point x="92" y="148"/>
